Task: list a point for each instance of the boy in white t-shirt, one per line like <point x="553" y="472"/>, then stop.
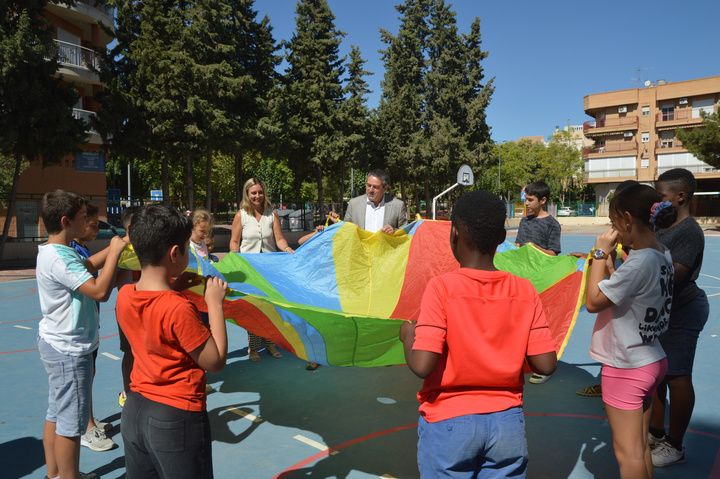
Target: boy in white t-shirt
<point x="68" y="332"/>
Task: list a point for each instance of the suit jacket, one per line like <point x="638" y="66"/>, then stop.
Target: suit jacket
<point x="395" y="212"/>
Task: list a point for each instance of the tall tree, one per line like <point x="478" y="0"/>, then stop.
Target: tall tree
<point x="311" y="92"/>
<point x="354" y="147"/>
<point x="704" y="142"/>
<point x="561" y="163"/>
<point x="36" y="118"/>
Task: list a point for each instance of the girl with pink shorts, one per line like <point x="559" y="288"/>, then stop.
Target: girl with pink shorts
<point x="633" y="306"/>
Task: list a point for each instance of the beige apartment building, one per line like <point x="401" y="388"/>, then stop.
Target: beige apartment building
<point x="633" y="133"/>
<point x="77" y="31"/>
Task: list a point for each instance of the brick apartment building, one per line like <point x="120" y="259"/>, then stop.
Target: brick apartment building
<point x="634" y="133"/>
<point x="77" y="31"/>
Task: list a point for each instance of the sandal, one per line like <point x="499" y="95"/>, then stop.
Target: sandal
<point x="273" y="352"/>
<point x="591" y="391"/>
<point x="312" y="366"/>
<point x="253" y="355"/>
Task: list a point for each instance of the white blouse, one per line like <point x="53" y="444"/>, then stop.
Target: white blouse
<point x="257" y="236"/>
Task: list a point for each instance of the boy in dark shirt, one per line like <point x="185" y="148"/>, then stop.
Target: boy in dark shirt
<point x="690" y="310"/>
<point x="538" y="227"/>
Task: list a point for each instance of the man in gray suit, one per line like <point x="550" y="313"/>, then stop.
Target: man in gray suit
<point x="376" y="210"/>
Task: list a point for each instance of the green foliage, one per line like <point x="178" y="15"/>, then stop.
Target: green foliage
<point x="703" y="142"/>
<point x="561" y="165"/>
<point x="7" y="169"/>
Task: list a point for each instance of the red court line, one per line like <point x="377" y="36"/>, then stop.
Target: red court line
<point x="330" y="450"/>
<point x="35" y="349"/>
<point x="15" y="297"/>
<point x="715" y="472"/>
<point x="38" y="319"/>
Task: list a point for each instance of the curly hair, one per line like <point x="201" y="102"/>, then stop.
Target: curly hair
<point x="479" y="217"/>
<point x="680" y="177"/>
<point x="638" y="200"/>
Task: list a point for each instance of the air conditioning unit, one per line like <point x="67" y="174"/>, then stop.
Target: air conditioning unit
<point x="628" y="134"/>
<point x="622" y="109"/>
<point x="683" y="101"/>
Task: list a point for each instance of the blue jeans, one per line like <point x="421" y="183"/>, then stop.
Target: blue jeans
<point x="70" y="386"/>
<point x="164" y="441"/>
<point x="474" y="446"/>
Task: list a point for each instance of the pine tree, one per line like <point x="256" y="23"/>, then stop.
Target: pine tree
<point x="36" y="118"/>
<point x="311" y="93"/>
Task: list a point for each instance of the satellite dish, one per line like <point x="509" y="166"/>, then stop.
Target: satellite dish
<point x="648" y="83"/>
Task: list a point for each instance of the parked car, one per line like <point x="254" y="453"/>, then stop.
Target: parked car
<point x="566" y="211"/>
<point x="108" y="231"/>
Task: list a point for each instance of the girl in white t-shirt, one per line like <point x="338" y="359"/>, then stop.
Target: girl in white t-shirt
<point x="202" y="224"/>
<point x="633" y="307"/>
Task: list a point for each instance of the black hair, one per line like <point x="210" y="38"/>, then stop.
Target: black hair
<point x="538" y="189"/>
<point x="156" y="229"/>
<point x="624" y="185"/>
<point x="127" y="215"/>
<point x="682" y="178"/>
<point x="92" y="210"/>
<point x="638" y="200"/>
<point x="384" y="177"/>
<point x="479" y="217"/>
<point x="58" y="203"/>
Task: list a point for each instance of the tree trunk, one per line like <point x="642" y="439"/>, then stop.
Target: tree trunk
<point x="238" y="178"/>
<point x="190" y="178"/>
<point x="417" y="197"/>
<point x="402" y="186"/>
<point x="165" y="173"/>
<point x="208" y="181"/>
<point x="428" y="201"/>
<point x="321" y="199"/>
<point x="11" y="203"/>
<point x="342" y="188"/>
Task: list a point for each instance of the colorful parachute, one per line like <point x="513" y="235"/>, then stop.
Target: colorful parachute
<point x="340" y="299"/>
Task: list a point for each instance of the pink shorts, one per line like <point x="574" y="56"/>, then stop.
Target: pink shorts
<point x="626" y="389"/>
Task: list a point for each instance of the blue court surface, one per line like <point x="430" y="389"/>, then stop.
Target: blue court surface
<point x="274" y="419"/>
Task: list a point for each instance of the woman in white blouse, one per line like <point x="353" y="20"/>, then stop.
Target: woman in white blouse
<point x="256" y="229"/>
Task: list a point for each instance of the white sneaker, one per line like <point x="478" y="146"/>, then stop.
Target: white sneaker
<point x="666" y="455"/>
<point x="654" y="441"/>
<point x="103" y="426"/>
<point x="96" y="440"/>
<point x="539" y="378"/>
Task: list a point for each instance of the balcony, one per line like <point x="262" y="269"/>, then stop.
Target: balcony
<point x="602" y="175"/>
<point x="680" y="117"/>
<point x="86" y="116"/>
<point x="75" y="55"/>
<point x="98" y="5"/>
<point x="669" y="144"/>
<point x="611" y="149"/>
<point x="610" y="125"/>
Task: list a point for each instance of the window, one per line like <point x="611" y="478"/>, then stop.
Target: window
<point x="644" y="163"/>
<point x="645" y="137"/>
<point x="646" y="111"/>
<point x="668" y="112"/>
<point x="667" y="139"/>
<point x="702" y="105"/>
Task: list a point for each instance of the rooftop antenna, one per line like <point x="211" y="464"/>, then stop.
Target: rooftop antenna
<point x="639" y="75"/>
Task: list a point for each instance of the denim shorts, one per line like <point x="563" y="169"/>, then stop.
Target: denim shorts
<point x="680" y="340"/>
<point x="476" y="445"/>
<point x="70" y="385"/>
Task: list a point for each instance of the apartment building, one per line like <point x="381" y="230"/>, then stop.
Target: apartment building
<point x="77" y="32"/>
<point x="633" y="133"/>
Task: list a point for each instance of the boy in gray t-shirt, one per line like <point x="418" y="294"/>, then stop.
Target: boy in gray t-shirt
<point x="538" y="227"/>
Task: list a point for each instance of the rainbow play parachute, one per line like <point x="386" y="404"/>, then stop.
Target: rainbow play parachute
<point x="340" y="299"/>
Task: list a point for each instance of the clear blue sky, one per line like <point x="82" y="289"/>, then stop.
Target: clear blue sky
<point x="546" y="56"/>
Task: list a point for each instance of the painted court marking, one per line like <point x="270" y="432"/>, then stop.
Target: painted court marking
<point x="111" y="356"/>
<point x="243" y="414"/>
<point x="14" y="297"/>
<point x="22" y="327"/>
<point x="315" y="444"/>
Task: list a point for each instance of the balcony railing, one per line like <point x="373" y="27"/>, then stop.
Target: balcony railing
<point x="612" y="147"/>
<point x="613" y="173"/>
<point x="684" y="114"/>
<point x="618" y="123"/>
<point x="669" y="143"/>
<point x="86" y="116"/>
<point x="691" y="168"/>
<point x="72" y="54"/>
<point x="98" y="5"/>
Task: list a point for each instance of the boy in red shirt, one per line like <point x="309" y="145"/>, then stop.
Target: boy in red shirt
<point x="477" y="326"/>
<point x="165" y="426"/>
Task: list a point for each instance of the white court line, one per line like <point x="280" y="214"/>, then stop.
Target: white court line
<point x="714" y="294"/>
<point x="246" y="415"/>
<point x="314" y="444"/>
<point x="111" y="356"/>
<point x="21" y="327"/>
<point x="713" y="277"/>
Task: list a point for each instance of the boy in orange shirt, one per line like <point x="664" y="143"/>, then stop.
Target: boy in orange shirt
<point x="477" y="326"/>
<point x="165" y="426"/>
